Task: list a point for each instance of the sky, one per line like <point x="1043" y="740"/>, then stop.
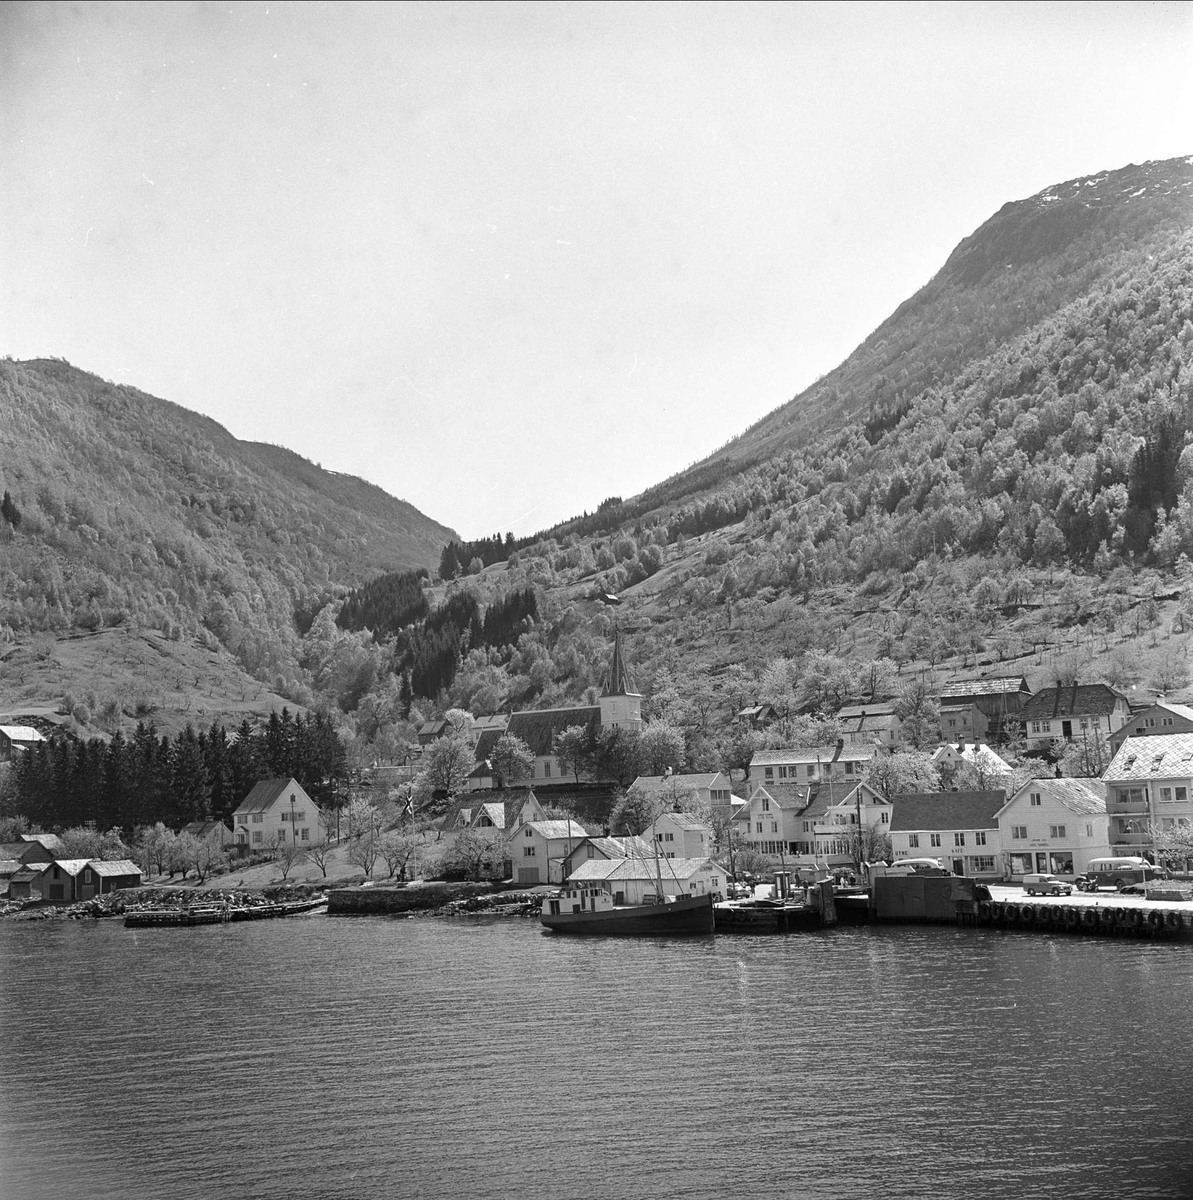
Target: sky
<point x="507" y="260"/>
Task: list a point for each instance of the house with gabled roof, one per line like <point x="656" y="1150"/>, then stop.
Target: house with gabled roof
<point x="708" y="789"/>
<point x="988" y="764"/>
<point x="680" y="835"/>
<point x="62" y="880"/>
<point x="276" y="812"/>
<point x="500" y="812"/>
<point x="50" y="843"/>
<point x="1000" y="698"/>
<point x="26" y="884"/>
<point x="768" y="821"/>
<point x="865" y="724"/>
<point x="1054" y="826"/>
<point x="836" y="811"/>
<point x="1153" y="720"/>
<point x="633" y="880"/>
<point x="606" y="848"/>
<point x="15" y="739"/>
<point x="812" y="764"/>
<point x="1072" y="711"/>
<point x="538" y="850"/>
<point x="959" y="828"/>
<point x="1149" y="782"/>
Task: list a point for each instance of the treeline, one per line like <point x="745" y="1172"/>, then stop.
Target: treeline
<point x="430" y="654"/>
<point x="387" y="604"/>
<point x="130" y="782"/>
<point x="457" y="557"/>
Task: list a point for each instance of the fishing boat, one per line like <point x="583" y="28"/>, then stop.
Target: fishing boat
<point x="590" y="910"/>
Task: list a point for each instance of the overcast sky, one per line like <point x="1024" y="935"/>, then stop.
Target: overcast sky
<point x="506" y="260"/>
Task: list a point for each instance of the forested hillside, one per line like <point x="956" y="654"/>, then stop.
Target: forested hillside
<point x="999" y="479"/>
<point x="125" y="511"/>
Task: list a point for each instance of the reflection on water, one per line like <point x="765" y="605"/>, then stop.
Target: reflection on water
<point x="470" y="1058"/>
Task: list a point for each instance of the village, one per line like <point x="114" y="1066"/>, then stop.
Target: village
<point x="827" y="810"/>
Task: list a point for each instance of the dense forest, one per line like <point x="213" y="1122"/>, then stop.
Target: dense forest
<point x="130" y="783"/>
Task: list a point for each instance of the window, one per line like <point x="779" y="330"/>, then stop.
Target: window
<point x="952" y="723"/>
<point x="529" y="851"/>
<point x="258" y="835"/>
<point x="782" y="772"/>
<point x="983" y="864"/>
<point x="849" y="768"/>
<point x="1130" y="795"/>
<point x="1056" y="831"/>
<point x="979" y="838"/>
<point x="807" y="826"/>
<point x="528" y="832"/>
<point x="281" y="836"/>
<point x="935" y="839"/>
<point x="913" y="840"/>
<point x="306" y="835"/>
<point x="1150" y="722"/>
<point x="885" y="818"/>
<point x="774" y="827"/>
<point x="1166" y="795"/>
<point x="765" y="804"/>
<point x="1019" y="833"/>
<point x="1036" y="799"/>
<point x="591" y="851"/>
<point x="1035" y="727"/>
<point x="258" y="818"/>
<point x="758" y="827"/>
<point x="1166" y="721"/>
<point x="669" y="837"/>
<point x="87" y="875"/>
<point x="1181" y="795"/>
<point x="958" y="839"/>
<point x="769" y="772"/>
<point x="1089" y="831"/>
<point x="546" y="770"/>
<point x="811" y="770"/>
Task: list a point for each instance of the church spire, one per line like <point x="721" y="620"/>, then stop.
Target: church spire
<point x="617" y="681"/>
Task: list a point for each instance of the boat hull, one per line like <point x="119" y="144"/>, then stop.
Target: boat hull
<point x="689" y="916"/>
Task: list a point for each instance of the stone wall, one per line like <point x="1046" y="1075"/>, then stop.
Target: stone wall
<point x="414" y="898"/>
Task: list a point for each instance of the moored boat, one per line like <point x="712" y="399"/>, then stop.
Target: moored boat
<point x="590" y="910"/>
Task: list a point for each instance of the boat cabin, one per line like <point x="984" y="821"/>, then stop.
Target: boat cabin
<point x="579" y="899"/>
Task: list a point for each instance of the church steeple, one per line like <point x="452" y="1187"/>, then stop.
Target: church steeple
<point x="621" y="706"/>
<point x="617" y="680"/>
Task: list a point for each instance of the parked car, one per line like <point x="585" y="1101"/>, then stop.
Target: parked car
<point x="917" y="866"/>
<point x="1117" y="873"/>
<point x="1046" y="885"/>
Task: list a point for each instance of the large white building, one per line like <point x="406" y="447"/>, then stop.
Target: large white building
<point x="277" y="812"/>
<point x="1054" y="826"/>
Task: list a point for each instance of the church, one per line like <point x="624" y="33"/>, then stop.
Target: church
<point x="620" y="707"/>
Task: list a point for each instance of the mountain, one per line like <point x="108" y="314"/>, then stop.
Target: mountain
<point x="133" y="514"/>
<point x="1022" y="266"/>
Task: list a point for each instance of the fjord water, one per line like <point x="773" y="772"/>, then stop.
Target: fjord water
<point x="379" y="1057"/>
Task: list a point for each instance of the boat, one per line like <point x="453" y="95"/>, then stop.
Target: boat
<point x="590" y="910"/>
<point x="789" y="909"/>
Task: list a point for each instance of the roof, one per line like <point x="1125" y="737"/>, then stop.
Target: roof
<point x="880" y="708"/>
<point x="72" y="866"/>
<point x="683" y="821"/>
<point x="552" y="830"/>
<point x="980" y="756"/>
<point x="1085" y="797"/>
<point x="619" y="847"/>
<point x="21" y="733"/>
<point x="918" y="811"/>
<point x="823" y="796"/>
<point x="995" y="685"/>
<point x="538" y="727"/>
<point x="266" y="793"/>
<point x="787" y="797"/>
<point x="204" y="829"/>
<point x="51" y="841"/>
<point x="500" y="806"/>
<point x="617" y="679"/>
<point x="10" y="866"/>
<point x="1074" y="699"/>
<point x="1161" y="756"/>
<point x="639" y="868"/>
<point x="30" y="871"/>
<point x="652" y="783"/>
<point x="114" y="867"/>
<point x="811" y="754"/>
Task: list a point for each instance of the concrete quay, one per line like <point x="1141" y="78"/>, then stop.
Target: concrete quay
<point x="1101" y="914"/>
